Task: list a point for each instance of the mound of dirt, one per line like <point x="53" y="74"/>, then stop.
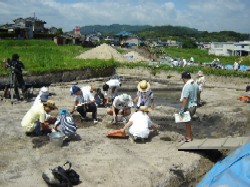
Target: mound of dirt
<point x="105" y="51"/>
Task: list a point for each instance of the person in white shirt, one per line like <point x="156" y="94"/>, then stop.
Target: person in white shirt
<point x="140" y="124"/>
<point x="191" y="59"/>
<point x="145" y="96"/>
<point x="111" y="89"/>
<point x="201" y="83"/>
<point x="43" y="91"/>
<point x="236" y="66"/>
<point x="121" y="106"/>
<point x="184" y="62"/>
<point x="84" y="101"/>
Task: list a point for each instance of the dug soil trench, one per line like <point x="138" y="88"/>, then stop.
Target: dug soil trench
<point x="101" y="161"/>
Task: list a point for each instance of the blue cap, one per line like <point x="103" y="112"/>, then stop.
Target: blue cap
<point x="74" y="89"/>
<point x="63" y="112"/>
<point x="44" y="97"/>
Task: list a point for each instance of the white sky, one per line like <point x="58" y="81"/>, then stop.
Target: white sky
<point x="204" y="15"/>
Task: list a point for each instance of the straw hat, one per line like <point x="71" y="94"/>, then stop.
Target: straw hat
<point x="93" y="88"/>
<point x="200" y="73"/>
<point x="50" y="104"/>
<point x="143" y="86"/>
<point x="145" y="108"/>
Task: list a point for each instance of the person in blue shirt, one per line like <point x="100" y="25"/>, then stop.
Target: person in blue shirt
<point x="188" y="101"/>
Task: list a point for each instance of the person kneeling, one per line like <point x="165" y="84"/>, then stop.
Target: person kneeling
<point x="140" y="124"/>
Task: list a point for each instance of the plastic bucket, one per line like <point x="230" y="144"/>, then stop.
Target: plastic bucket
<point x="56" y="138"/>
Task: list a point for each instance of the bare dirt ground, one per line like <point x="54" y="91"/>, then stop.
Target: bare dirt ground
<point x="101" y="161"/>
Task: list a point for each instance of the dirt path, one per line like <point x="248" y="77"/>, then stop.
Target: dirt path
<point x="101" y="161"/>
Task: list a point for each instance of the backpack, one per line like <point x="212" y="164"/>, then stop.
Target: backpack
<point x="66" y="177"/>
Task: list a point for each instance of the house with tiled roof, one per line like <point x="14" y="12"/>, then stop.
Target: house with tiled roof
<point x="23" y="28"/>
<point x="127" y="38"/>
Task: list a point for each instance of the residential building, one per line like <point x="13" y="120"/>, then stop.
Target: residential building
<point x="230" y="48"/>
<point x="204" y="45"/>
<point x="24" y="28"/>
<point x="34" y="23"/>
<point x="168" y="43"/>
<point x="127" y="38"/>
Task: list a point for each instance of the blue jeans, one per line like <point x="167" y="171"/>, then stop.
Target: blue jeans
<point x="37" y="129"/>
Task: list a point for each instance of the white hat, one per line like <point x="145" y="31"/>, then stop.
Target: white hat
<point x="44" y="89"/>
<point x="200" y="73"/>
<point x="125" y="97"/>
<point x="113" y="83"/>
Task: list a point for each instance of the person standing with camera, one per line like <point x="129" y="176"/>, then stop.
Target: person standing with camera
<point x="18" y="67"/>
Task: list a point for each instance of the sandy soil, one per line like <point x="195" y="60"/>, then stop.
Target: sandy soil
<point x="101" y="161"/>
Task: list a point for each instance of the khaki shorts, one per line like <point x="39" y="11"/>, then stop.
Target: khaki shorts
<point x="191" y="110"/>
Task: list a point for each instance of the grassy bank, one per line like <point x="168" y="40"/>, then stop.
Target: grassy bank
<point x="203" y="56"/>
<point x="193" y="69"/>
<point x="42" y="56"/>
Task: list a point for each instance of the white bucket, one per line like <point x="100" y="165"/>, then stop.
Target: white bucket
<point x="56" y="138"/>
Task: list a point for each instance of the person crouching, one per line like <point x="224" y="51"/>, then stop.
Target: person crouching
<point x="140" y="124"/>
<point x="84" y="102"/>
<point x="34" y="121"/>
<point x="121" y="106"/>
<point x="66" y="124"/>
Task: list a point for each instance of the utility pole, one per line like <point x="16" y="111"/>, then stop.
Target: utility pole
<point x="34" y="21"/>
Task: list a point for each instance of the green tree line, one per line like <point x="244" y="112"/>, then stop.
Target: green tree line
<point x="189" y="36"/>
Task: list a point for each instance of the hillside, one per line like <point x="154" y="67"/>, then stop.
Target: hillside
<point x="167" y="32"/>
<point x="112" y="29"/>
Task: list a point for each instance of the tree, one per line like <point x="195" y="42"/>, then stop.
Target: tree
<point x="59" y="31"/>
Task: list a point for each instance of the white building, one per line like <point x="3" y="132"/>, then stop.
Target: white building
<point x="230" y="48"/>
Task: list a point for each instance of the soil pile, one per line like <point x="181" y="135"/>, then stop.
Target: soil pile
<point x="134" y="56"/>
<point x="105" y="51"/>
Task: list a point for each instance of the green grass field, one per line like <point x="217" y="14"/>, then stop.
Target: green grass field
<point x="45" y="56"/>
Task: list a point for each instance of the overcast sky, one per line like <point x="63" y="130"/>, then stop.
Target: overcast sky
<point x="204" y="15"/>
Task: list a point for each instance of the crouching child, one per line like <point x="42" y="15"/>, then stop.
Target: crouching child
<point x="66" y="124"/>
